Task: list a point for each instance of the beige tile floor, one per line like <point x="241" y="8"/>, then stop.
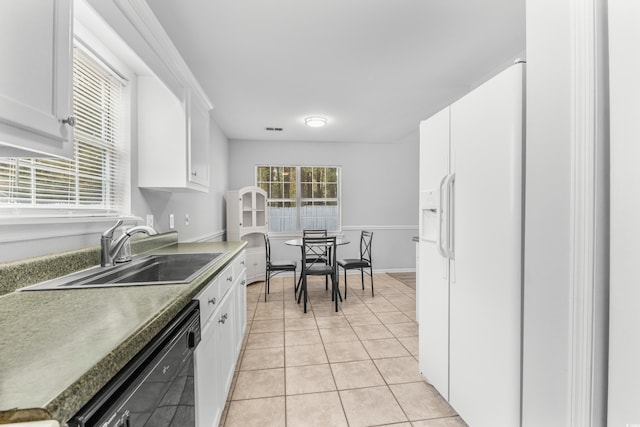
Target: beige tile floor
<point x="356" y="367"/>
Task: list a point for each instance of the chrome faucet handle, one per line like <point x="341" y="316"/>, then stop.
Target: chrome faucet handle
<point x="109" y="231"/>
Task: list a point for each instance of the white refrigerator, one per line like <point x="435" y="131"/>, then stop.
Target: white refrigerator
<point x="470" y="266"/>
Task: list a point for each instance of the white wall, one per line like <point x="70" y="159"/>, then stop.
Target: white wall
<point x="379" y="190"/>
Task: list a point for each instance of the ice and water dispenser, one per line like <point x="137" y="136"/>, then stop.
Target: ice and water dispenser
<point x="429" y="205"/>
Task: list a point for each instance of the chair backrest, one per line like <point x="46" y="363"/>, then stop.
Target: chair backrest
<point x="267" y="248"/>
<point x="318" y="251"/>
<point x="314" y="233"/>
<point x="365" y="245"/>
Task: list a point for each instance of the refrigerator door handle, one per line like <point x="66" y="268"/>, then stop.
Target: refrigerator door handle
<point x="451" y="223"/>
<point x="439" y="243"/>
<point x="447" y="189"/>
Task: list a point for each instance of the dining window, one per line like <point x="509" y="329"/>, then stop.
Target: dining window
<point x="301" y="197"/>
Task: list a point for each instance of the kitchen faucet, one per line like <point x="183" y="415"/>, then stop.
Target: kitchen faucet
<point x="109" y="249"/>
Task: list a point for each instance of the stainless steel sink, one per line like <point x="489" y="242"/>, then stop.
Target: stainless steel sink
<point x="141" y="270"/>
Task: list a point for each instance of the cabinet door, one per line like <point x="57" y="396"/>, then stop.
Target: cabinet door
<point x="246" y="209"/>
<point x="209" y="400"/>
<point x="261" y="208"/>
<point x="35" y="78"/>
<point x="240" y="317"/>
<point x="198" y="144"/>
<point x="162" y="133"/>
<point x="226" y="351"/>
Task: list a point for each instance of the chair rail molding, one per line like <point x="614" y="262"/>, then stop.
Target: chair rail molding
<point x="588" y="191"/>
<point x="379" y="227"/>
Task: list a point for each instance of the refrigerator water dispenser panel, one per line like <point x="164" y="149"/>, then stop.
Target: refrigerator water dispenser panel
<point x="429" y="201"/>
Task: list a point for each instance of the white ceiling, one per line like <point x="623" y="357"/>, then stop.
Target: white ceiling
<point x="374" y="68"/>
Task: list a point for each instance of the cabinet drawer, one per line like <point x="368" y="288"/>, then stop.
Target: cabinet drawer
<point x="225" y="279"/>
<point x="239" y="264"/>
<point x="209" y="299"/>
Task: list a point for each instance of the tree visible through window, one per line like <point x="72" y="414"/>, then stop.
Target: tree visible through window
<point x="91" y="179"/>
<point x="301" y="197"/>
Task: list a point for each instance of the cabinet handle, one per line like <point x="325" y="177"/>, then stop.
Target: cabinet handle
<point x="243" y="282"/>
<point x="242" y="262"/>
<point x="212" y="300"/>
<point x="230" y="279"/>
<point x="223" y="318"/>
<point x="71" y="121"/>
<point x="194" y="173"/>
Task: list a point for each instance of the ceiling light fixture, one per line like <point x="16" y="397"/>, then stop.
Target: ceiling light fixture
<point x="315" y="121"/>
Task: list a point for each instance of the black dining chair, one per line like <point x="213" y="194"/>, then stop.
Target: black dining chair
<point x="277" y="267"/>
<point x="317" y="256"/>
<point x="314" y="263"/>
<point x="363" y="263"/>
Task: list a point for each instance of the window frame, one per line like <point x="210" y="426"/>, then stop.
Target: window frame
<point x="299" y="199"/>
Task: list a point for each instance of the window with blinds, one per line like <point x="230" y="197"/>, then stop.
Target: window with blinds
<point x="90" y="181"/>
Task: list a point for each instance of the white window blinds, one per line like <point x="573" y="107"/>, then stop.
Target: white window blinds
<point x="91" y="180"/>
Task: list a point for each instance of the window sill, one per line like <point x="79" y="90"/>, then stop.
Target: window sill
<point x="20" y="228"/>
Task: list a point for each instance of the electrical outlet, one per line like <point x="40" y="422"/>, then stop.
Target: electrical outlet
<point x="186" y="219"/>
<point x="150" y="221"/>
<point x="172" y="221"/>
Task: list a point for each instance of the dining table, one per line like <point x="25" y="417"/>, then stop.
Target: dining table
<point x="298" y="241"/>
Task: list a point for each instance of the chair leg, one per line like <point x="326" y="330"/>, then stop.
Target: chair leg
<point x="338" y="286"/>
<point x="335" y="289"/>
<point x="304" y="290"/>
<point x="371" y="274"/>
<point x="299" y="283"/>
<point x="266" y="287"/>
<point x="362" y="277"/>
<point x="295" y="285"/>
<point x="345" y="283"/>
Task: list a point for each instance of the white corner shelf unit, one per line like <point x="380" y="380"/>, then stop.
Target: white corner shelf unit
<point x="247" y="220"/>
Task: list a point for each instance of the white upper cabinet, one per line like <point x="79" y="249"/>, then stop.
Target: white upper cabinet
<point x="173" y="110"/>
<point x="173" y="139"/>
<point x="36" y="78"/>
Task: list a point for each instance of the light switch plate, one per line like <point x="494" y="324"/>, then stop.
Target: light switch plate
<point x="150" y="221"/>
<point x="172" y="222"/>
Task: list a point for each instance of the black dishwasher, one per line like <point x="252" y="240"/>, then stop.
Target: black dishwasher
<point x="156" y="388"/>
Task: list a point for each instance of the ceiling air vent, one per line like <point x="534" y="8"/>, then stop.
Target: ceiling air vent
<point x="274" y="129"/>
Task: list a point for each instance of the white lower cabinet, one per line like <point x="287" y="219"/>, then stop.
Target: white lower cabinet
<point x="223" y="321"/>
<point x="206" y="369"/>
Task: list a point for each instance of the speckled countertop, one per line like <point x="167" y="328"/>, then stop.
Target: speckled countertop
<point x="58" y="348"/>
